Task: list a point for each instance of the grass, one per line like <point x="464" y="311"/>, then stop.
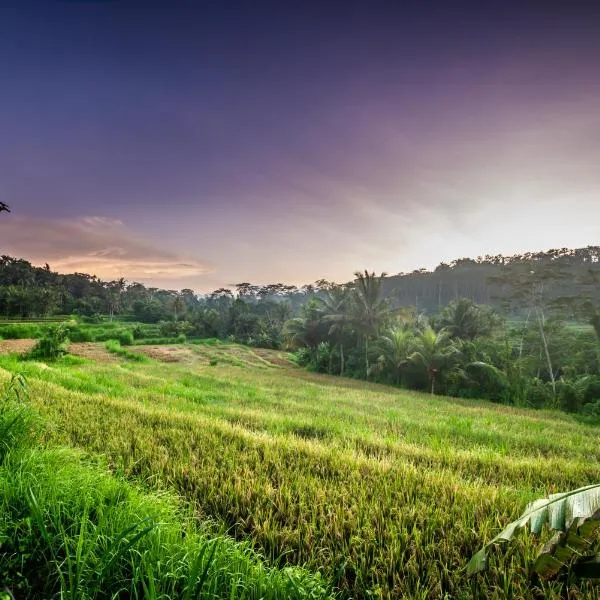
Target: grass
<point x="115" y="347"/>
<point x="70" y="529"/>
<point x="385" y="491"/>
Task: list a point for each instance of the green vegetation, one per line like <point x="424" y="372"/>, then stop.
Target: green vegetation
<point x="52" y="345"/>
<point x="115" y="347"/>
<point x="575" y="517"/>
<point x="385" y="491"/>
<point x="70" y="529"/>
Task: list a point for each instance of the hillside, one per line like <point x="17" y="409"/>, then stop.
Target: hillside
<point x="386" y="491"/>
<point x="492" y="279"/>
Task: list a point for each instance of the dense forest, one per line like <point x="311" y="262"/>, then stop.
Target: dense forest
<point x="522" y="329"/>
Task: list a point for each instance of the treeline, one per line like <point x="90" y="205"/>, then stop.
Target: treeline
<point x="26" y="290"/>
<point x="465" y="350"/>
<point x="487" y="279"/>
<point x="519" y="345"/>
<point x="248" y="314"/>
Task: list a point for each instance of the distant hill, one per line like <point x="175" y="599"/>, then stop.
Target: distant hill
<point x="555" y="274"/>
<point x="491" y="279"/>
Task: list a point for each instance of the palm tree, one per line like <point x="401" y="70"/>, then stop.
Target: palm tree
<point x="368" y="309"/>
<point x="4" y="207"/>
<point x="433" y="351"/>
<point x="396" y="346"/>
<point x="178" y="306"/>
<point x="465" y="320"/>
<point x="334" y="307"/>
<point x="114" y="290"/>
<point x="308" y="328"/>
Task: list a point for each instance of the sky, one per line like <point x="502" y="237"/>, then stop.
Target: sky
<point x="200" y="144"/>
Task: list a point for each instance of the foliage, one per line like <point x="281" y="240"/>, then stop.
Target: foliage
<point x="465" y="320"/>
<point x="52" y="345"/>
<point x="575" y="516"/>
<point x="115" y="347"/>
<point x="70" y="529"/>
<point x="384" y="491"/>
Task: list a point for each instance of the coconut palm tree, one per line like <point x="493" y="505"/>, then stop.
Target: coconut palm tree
<point x="368" y="310"/>
<point x="397" y="346"/>
<point x="465" y="320"/>
<point x="434" y="349"/>
<point x="307" y="329"/>
<point x="334" y="309"/>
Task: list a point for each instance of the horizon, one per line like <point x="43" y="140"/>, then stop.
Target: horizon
<point x="196" y="145"/>
<point x="344" y="281"/>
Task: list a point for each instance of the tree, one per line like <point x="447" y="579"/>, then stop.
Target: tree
<point x="177" y="305"/>
<point x="396" y="347"/>
<point x="114" y="291"/>
<point x="307" y="329"/>
<point x="465" y="320"/>
<point x="334" y="308"/>
<point x="433" y="351"/>
<point x="368" y="309"/>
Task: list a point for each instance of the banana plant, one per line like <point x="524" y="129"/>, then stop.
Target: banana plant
<point x="575" y="517"/>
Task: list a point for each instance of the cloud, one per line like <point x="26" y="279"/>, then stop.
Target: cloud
<point x="96" y="245"/>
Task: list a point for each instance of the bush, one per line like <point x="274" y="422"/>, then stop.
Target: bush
<point x="173" y="328"/>
<point x="181" y="338"/>
<point x="570" y="395"/>
<point x="53" y="345"/>
<point x="79" y="334"/>
<point x="21" y="331"/>
<point x="592" y="392"/>
<point x="539" y="394"/>
<point x="95" y="318"/>
<point x="138" y="332"/>
<point x="592" y="409"/>
<point x="125" y="337"/>
<point x="303" y="356"/>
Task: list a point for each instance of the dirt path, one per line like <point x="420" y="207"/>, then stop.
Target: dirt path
<point x="18" y="346"/>
<point x="92" y="351"/>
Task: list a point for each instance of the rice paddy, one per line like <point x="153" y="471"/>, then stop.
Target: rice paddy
<point x="384" y="492"/>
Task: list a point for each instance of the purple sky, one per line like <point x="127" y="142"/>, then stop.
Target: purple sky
<point x="200" y="144"/>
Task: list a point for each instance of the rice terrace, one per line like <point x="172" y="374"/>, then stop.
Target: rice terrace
<point x="385" y="492"/>
<point x="300" y="300"/>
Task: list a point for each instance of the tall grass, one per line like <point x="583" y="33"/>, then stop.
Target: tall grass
<point x="115" y="347"/>
<point x="70" y="529"/>
<point x="387" y="492"/>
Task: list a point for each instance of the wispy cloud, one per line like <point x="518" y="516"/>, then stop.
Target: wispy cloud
<point x="96" y="245"/>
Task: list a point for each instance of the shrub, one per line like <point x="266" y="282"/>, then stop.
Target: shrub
<point x="125" y="337"/>
<point x="571" y="394"/>
<point x="138" y="332"/>
<point x="181" y="338"/>
<point x="303" y="356"/>
<point x="79" y="334"/>
<point x="95" y="318"/>
<point x="20" y="331"/>
<point x="539" y="394"/>
<point x="592" y="409"/>
<point x="53" y="345"/>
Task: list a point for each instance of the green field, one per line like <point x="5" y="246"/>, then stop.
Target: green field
<point x="386" y="492"/>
